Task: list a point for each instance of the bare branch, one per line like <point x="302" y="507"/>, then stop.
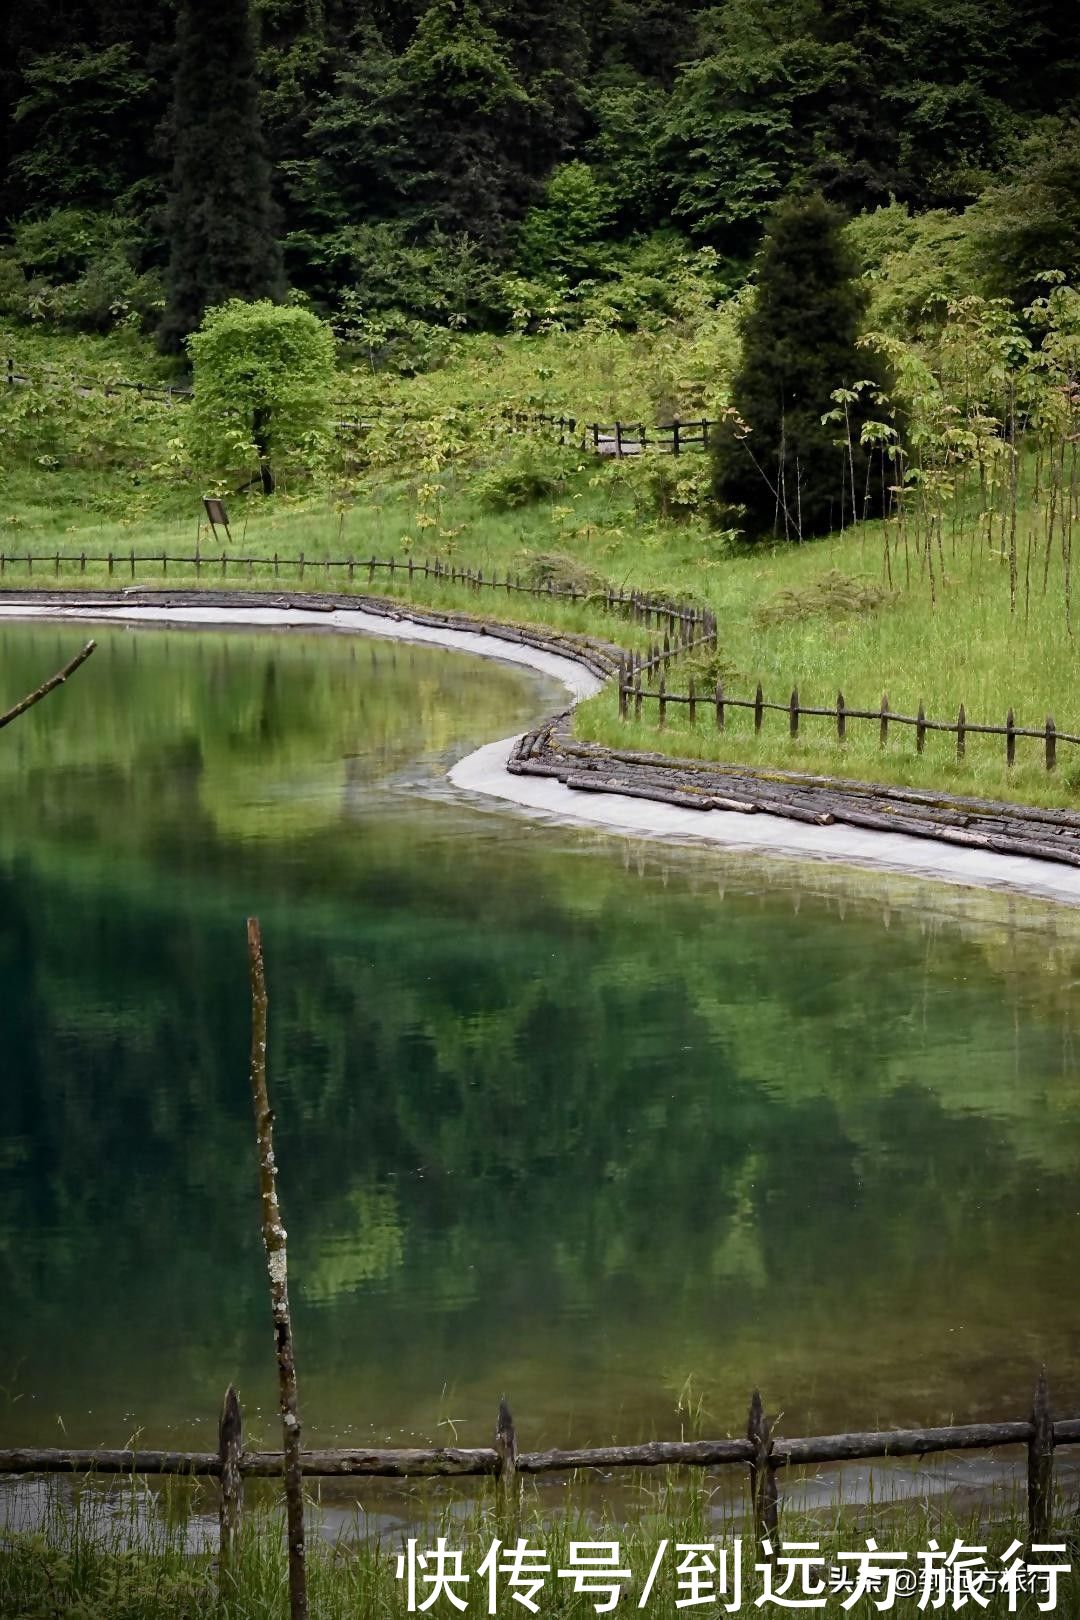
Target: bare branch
<point x="43" y="691"/>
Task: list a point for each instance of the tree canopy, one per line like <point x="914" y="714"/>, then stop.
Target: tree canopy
<point x="405" y="142"/>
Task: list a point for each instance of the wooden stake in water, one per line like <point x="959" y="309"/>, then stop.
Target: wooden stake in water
<point x="277" y="1268"/>
<point x="230" y="1450"/>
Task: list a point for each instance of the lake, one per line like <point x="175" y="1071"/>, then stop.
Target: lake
<point x="618" y="1130"/>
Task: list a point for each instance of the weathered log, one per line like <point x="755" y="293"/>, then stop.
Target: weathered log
<point x="65" y="1460"/>
<point x="828" y="1448"/>
<point x="443" y="1462"/>
<point x="587" y="782"/>
<point x="403" y="1462"/>
<point x="653" y="1454"/>
<point x="277" y="1271"/>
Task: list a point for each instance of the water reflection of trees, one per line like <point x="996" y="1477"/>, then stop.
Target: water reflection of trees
<point x="666" y="1133"/>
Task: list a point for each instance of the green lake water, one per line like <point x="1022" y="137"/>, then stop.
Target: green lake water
<point x="613" y="1129"/>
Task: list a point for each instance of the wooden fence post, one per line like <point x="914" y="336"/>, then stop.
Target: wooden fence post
<point x="622" y="691"/>
<point x="883" y="734"/>
<point x="793" y="712"/>
<point x="667" y="652"/>
<point x="961" y="732"/>
<point x="506" y="1447"/>
<point x="637" y="696"/>
<point x="841" y="717"/>
<point x="763" y="1497"/>
<point x="1010" y="739"/>
<point x="277" y="1270"/>
<point x="719" y="705"/>
<point x="1041" y="1465"/>
<point x="230" y="1448"/>
<point x="920" y="728"/>
<point x="692" y="701"/>
<point x="662" y="696"/>
<point x="1051" y="743"/>
<point x="618" y="441"/>
<point x="759" y="708"/>
<point x="675" y="437"/>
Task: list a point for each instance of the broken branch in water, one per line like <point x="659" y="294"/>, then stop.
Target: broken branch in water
<point x="43" y="691"/>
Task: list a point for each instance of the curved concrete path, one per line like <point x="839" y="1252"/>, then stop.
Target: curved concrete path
<point x="483" y="774"/>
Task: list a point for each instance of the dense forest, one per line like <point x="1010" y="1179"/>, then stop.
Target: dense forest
<point x="468" y="161"/>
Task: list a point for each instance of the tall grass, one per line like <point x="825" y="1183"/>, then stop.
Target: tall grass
<point x="127" y="1556"/>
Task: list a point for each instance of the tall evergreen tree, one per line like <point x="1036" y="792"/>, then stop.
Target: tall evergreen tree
<point x="221" y="219"/>
<point x="780" y="470"/>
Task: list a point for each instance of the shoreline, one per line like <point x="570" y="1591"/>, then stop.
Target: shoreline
<point x="581" y="667"/>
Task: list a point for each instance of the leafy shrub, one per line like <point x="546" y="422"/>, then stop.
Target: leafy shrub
<point x="78" y="268"/>
<point x="565" y="234"/>
<point x="564" y="573"/>
<point x="374" y="271"/>
<point x="672" y="489"/>
<point x="533" y="472"/>
<point x="264" y="378"/>
<point x="834" y="596"/>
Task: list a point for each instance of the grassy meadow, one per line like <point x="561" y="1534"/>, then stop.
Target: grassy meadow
<point x="963" y="599"/>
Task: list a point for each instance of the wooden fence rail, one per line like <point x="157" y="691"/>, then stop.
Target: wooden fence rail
<point x="621" y="439"/>
<point x="762" y="1452"/>
<point x="683" y="623"/>
<point x="605" y="438"/>
<point x="719" y="701"/>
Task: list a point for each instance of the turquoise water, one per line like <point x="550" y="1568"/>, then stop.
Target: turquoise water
<point x="618" y="1131"/>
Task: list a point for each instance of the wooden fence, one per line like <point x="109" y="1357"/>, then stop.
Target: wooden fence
<point x="761" y="1452"/>
<point x="93" y="385"/>
<point x="684" y="624"/>
<point x="719" y="701"/>
<point x="604" y="438"/>
<point x="622" y="438"/>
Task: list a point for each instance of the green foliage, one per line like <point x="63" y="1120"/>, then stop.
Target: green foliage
<point x="565" y="234"/>
<point x="461" y="161"/>
<point x="1029" y="221"/>
<point x="789" y="460"/>
<point x="565" y="573"/>
<point x="387" y="277"/>
<point x="915" y="264"/>
<point x="456" y="89"/>
<point x="534" y="471"/>
<point x="85" y="117"/>
<point x="264" y="377"/>
<point x="79" y="269"/>
<point x="742" y="119"/>
<point x="667" y="488"/>
<point x="221" y="223"/>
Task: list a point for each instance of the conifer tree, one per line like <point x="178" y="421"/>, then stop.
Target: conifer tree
<point x="779" y="469"/>
<point x="221" y="219"/>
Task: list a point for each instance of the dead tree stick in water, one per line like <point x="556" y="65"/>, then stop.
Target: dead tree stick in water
<point x="274" y="1240"/>
<point x="43" y="691"/>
